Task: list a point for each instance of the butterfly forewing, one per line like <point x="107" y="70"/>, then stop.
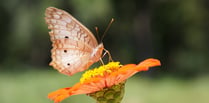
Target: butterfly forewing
<point x="74" y="47"/>
<point x="64" y="25"/>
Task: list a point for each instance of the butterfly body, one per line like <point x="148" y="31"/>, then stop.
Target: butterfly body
<point x="74" y="47"/>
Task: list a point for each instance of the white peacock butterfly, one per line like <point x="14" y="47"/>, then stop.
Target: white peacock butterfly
<point x="74" y="47"/>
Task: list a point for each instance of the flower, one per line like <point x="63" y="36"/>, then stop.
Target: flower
<point x="103" y="77"/>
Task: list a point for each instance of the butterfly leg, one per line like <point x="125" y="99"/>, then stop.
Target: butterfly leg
<point x="101" y="61"/>
<point x="107" y="52"/>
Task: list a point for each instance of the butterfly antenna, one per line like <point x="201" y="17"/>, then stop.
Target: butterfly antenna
<point x="108" y="27"/>
<point x="97" y="33"/>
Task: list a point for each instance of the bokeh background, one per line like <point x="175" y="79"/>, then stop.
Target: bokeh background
<point x="174" y="31"/>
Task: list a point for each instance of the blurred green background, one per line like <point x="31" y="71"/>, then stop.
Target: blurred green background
<point x="174" y="31"/>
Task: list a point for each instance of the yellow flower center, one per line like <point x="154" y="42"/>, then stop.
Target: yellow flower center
<point x="100" y="71"/>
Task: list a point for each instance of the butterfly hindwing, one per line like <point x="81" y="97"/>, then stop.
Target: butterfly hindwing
<point x="67" y="57"/>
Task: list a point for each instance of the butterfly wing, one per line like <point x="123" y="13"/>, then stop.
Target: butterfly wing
<point x="58" y="19"/>
<point x="72" y="42"/>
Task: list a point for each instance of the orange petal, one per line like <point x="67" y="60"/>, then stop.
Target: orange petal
<point x="128" y="70"/>
<point x="146" y="64"/>
<point x="85" y="88"/>
<point x="59" y="95"/>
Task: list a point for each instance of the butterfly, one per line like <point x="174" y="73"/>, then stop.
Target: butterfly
<point x="75" y="48"/>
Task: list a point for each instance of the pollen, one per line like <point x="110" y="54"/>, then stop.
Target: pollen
<point x="101" y="71"/>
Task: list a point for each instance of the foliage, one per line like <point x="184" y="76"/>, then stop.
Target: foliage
<point x="175" y="31"/>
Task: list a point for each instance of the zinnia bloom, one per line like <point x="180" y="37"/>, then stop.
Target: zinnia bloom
<point x="112" y="75"/>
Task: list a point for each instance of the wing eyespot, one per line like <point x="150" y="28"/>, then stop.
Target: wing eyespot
<point x="66" y="37"/>
<point x="68" y="64"/>
<point x="65" y="51"/>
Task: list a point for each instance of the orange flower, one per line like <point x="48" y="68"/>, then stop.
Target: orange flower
<point x="103" y="77"/>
